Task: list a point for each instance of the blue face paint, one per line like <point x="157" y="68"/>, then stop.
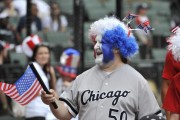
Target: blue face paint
<point x="107" y="51"/>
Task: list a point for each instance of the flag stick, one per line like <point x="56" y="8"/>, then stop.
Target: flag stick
<point x="42" y="83"/>
<point x="141" y="29"/>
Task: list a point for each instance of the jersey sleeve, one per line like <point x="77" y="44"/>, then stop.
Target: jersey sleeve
<point x="70" y="98"/>
<point x="147" y="103"/>
<point x="169" y="70"/>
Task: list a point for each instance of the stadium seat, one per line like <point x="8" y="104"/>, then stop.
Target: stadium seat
<point x="87" y="41"/>
<point x="135" y="57"/>
<point x="66" y="6"/>
<point x="160" y="7"/>
<point x="7" y="117"/>
<point x="41" y="34"/>
<point x="89" y="58"/>
<point x="161" y="25"/>
<point x="12" y="72"/>
<point x="53" y="59"/>
<point x="159" y="54"/>
<point x="59" y="38"/>
<point x="18" y="58"/>
<point x="96" y="9"/>
<point x="159" y="14"/>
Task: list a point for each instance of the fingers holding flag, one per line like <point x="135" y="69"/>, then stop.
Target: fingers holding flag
<point x="48" y="98"/>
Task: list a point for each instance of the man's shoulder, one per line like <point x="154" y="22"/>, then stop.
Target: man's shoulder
<point x="129" y="68"/>
<point x="86" y="74"/>
<point x="133" y="72"/>
<point x="92" y="69"/>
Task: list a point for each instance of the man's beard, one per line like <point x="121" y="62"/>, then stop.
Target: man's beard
<point x="100" y="63"/>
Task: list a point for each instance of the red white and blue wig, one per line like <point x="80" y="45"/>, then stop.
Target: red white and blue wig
<point x="174" y="45"/>
<point x="114" y="34"/>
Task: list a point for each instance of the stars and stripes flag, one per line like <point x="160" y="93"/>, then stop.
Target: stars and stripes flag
<point x="129" y="18"/>
<point x="145" y="26"/>
<point x="25" y="89"/>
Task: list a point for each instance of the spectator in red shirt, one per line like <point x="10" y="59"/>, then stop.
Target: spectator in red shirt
<point x="171" y="79"/>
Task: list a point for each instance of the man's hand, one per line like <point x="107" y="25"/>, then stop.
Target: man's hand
<point x="48" y="98"/>
<point x="61" y="112"/>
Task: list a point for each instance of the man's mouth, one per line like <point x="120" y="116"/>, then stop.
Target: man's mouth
<point x="98" y="52"/>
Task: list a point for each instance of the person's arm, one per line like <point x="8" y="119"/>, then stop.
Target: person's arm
<point x="46" y="22"/>
<point x="61" y="112"/>
<point x="21" y="24"/>
<point x="165" y="85"/>
<point x="64" y="23"/>
<point x="174" y="116"/>
<point x="4" y="100"/>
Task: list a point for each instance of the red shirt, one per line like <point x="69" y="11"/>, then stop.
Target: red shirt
<point x="171" y="67"/>
<point x="172" y="72"/>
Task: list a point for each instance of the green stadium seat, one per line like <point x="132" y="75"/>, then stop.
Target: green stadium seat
<point x="59" y="38"/>
<point x="12" y="72"/>
<point x="18" y="58"/>
<point x="66" y="6"/>
<point x="41" y="34"/>
<point x="53" y="59"/>
<point x="160" y="7"/>
<point x="96" y="14"/>
<point x="159" y="54"/>
<point x="135" y="57"/>
<point x="96" y="9"/>
<point x="161" y="25"/>
<point x="87" y="41"/>
<point x="8" y="117"/>
<point x="89" y="58"/>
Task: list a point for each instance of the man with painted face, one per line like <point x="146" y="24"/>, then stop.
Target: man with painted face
<point x="111" y="90"/>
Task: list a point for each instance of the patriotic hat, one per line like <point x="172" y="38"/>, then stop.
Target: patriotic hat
<point x="29" y="43"/>
<point x="69" y="62"/>
<point x="6" y="45"/>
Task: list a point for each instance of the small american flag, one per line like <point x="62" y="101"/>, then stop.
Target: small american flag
<point x="129" y="18"/>
<point x="145" y="26"/>
<point x="25" y="89"/>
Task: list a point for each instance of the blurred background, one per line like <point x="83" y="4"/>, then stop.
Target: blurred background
<point x="65" y="23"/>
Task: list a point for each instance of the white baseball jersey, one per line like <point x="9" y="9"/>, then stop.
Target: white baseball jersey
<point x="121" y="95"/>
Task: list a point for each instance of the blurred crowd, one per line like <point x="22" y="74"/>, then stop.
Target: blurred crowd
<point x="45" y="17"/>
